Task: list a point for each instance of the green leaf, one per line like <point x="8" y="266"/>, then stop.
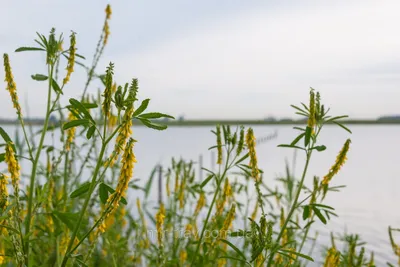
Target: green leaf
<point x="307" y="136"/>
<point x="291" y="146"/>
<point x="90" y="132"/>
<point x="242" y="159"/>
<point x="341" y="125"/>
<point x="153" y="125"/>
<point x="234" y="248"/>
<point x="80" y="107"/>
<point x="235" y="259"/>
<point x="336" y="118"/>
<point x="24" y="48"/>
<point x="319" y="148"/>
<point x="319" y="214"/>
<point x="150" y="182"/>
<point x="141" y="108"/>
<point x="56" y="87"/>
<point x="322" y="206"/>
<point x="297" y="139"/>
<point x="67" y="218"/>
<point x="155" y="115"/>
<point x="39" y="77"/>
<point x="75" y="123"/>
<point x="205" y="182"/>
<point x="298" y="254"/>
<point x="103" y="193"/>
<point x="90" y="105"/>
<point x="5" y="136"/>
<point x="306" y="212"/>
<point x="299" y="109"/>
<point x="80" y="190"/>
<point x="2" y="157"/>
<point x="111" y="190"/>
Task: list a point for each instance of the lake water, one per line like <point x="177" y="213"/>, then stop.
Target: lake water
<point x="367" y="206"/>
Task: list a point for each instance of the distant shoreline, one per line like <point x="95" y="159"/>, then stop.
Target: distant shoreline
<point x="235" y="122"/>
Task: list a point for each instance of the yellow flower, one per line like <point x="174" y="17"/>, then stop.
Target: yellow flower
<point x="183" y="256"/>
<point x="332" y="258"/>
<point x="182" y="194"/>
<point x="3" y="192"/>
<point x="11" y="86"/>
<point x="128" y="162"/>
<point x="251" y="145"/>
<point x="168" y="189"/>
<point x="106" y="29"/>
<point x="228" y="222"/>
<point x="340" y="160"/>
<point x="200" y="203"/>
<point x="70" y="133"/>
<point x="2" y="252"/>
<point x="159" y="223"/>
<point x="13" y="165"/>
<point x="71" y="58"/>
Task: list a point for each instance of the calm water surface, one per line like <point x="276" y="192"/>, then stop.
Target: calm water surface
<point x="367" y="206"/>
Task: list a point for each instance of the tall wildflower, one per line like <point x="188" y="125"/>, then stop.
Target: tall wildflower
<point x="11" y="86"/>
<point x="159" y="224"/>
<point x="219" y="145"/>
<point x="71" y="58"/>
<point x="340" y="160"/>
<point x="108" y="90"/>
<point x="126" y="128"/>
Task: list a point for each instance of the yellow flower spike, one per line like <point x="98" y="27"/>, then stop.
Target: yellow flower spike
<point x="71" y="58"/>
<point x="340" y="160"/>
<point x="183" y="256"/>
<point x="106" y="29"/>
<point x="159" y="223"/>
<point x="181" y="196"/>
<point x="282" y="222"/>
<point x="311" y="119"/>
<point x="200" y="203"/>
<point x="228" y="222"/>
<point x="3" y="192"/>
<point x="167" y="186"/>
<point x="13" y="165"/>
<point x="70" y="133"/>
<point x="251" y="145"/>
<point x="11" y="86"/>
<point x="332" y="258"/>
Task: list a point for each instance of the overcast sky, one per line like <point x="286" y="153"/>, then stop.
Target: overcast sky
<point x="221" y="58"/>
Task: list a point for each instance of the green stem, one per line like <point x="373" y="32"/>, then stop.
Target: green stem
<point x="36" y="162"/>
<point x="85" y="205"/>
<point x="294" y="205"/>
